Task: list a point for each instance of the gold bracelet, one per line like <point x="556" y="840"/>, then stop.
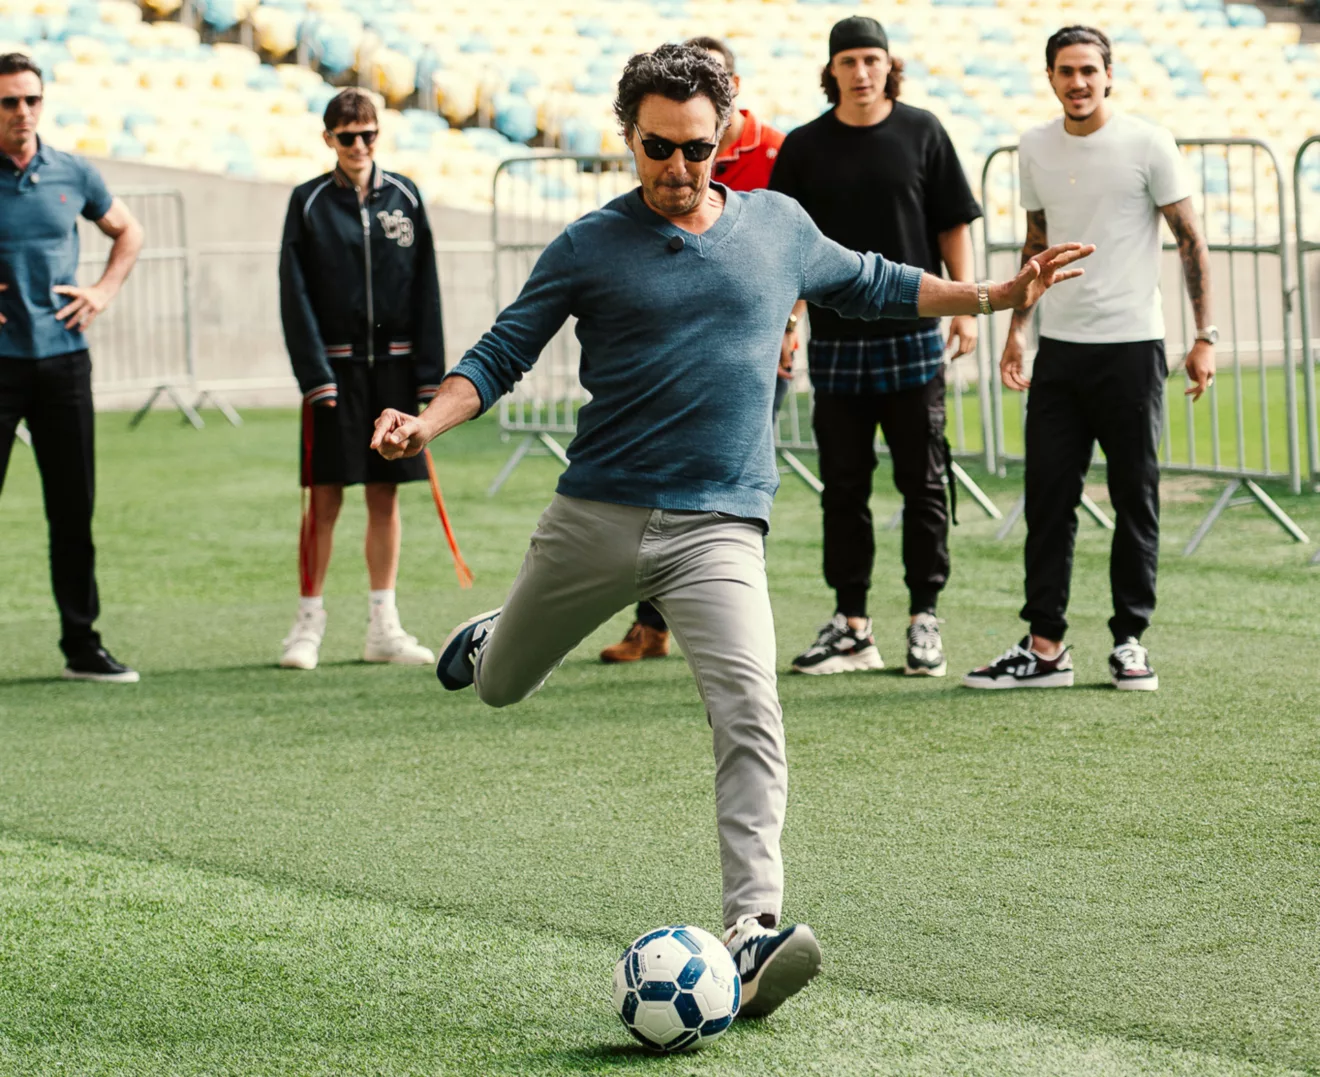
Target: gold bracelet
<point x="983" y="297"/>
<point x="792" y="323"/>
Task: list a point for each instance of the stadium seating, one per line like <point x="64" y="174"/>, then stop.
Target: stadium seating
<point x="239" y="88"/>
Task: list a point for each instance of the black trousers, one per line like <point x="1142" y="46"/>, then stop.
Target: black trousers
<point x="913" y="425"/>
<point x="1080" y="394"/>
<point x="55" y="397"/>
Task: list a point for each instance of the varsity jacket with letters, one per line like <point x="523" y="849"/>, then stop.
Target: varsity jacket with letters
<point x="358" y="282"/>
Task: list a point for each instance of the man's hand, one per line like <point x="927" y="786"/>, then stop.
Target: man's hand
<point x="1038" y="274"/>
<point x="962" y="328"/>
<point x="1200" y="368"/>
<point x="399" y="434"/>
<point x="1010" y="364"/>
<point x="788" y="347"/>
<point x="87" y="304"/>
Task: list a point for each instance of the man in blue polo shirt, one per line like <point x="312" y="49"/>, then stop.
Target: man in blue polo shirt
<point x="45" y="371"/>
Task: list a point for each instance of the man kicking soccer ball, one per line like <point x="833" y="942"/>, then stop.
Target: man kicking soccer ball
<point x="667" y="494"/>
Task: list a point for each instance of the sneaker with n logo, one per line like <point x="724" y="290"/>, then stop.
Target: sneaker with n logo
<point x="772" y="965"/>
<point x="458" y="657"/>
<point x="1021" y="667"/>
<point x="1129" y="667"/>
<point x="840" y="649"/>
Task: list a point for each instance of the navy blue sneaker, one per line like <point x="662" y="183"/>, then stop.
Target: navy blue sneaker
<point x="772" y="965"/>
<point x="457" y="665"/>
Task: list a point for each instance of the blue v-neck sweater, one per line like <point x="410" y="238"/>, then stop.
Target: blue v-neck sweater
<point x="680" y="343"/>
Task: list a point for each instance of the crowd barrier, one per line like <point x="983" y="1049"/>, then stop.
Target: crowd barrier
<point x="1306" y="193"/>
<point x="1246" y="428"/>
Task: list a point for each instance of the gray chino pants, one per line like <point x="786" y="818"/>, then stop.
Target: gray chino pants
<point x="706" y="573"/>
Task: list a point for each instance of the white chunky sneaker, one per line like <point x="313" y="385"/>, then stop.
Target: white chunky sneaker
<point x="925" y="648"/>
<point x="839" y="649"/>
<point x="772" y="965"/>
<point x="388" y="642"/>
<point x="1130" y="669"/>
<point x="302" y="647"/>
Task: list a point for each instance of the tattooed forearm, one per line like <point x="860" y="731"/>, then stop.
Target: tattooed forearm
<point x="1036" y="242"/>
<point x="1195" y="257"/>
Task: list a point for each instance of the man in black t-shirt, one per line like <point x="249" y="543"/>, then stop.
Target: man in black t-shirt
<point x="877" y="175"/>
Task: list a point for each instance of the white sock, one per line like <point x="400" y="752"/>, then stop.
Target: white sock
<point x="380" y="601"/>
<point x="310" y="604"/>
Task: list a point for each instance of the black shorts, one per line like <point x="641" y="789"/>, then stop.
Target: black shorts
<point x="340" y="452"/>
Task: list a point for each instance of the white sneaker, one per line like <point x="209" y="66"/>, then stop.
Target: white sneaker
<point x="388" y="642"/>
<point x="772" y="965"/>
<point x="302" y="647"/>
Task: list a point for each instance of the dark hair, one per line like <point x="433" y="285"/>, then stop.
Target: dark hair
<point x="15" y="63"/>
<point x="349" y="106"/>
<point x="678" y="72"/>
<point x="714" y="44"/>
<point x="1079" y="35"/>
<point x="893" y="82"/>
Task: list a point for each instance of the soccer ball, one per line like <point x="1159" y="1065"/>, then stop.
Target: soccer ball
<point x="677" y="988"/>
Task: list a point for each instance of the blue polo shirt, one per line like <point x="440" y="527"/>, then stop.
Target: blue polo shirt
<point x="39" y="209"/>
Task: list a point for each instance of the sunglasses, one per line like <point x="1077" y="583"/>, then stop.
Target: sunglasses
<point x="347" y="138"/>
<point x="661" y="149"/>
<point x="10" y="104"/>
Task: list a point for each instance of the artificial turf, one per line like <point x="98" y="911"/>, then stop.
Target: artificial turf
<point x="233" y="869"/>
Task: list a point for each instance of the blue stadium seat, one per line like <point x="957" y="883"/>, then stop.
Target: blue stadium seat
<point x="1247" y="15"/>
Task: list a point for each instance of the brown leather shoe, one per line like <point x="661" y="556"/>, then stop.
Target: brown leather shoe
<point x="640" y="642"/>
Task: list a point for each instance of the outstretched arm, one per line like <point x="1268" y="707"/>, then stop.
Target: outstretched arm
<point x="399" y="434"/>
<point x="1195" y="258"/>
<point x="1038" y="274"/>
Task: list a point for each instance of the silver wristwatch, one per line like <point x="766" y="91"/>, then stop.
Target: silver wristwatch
<point x="983" y="297"/>
<point x="1210" y="334"/>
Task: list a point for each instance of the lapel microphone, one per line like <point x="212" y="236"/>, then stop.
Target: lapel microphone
<point x="675" y="244"/>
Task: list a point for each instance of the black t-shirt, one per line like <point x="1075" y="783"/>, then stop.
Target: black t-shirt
<point x="892" y="188"/>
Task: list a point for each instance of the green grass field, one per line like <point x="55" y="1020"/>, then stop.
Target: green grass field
<point x="231" y="869"/>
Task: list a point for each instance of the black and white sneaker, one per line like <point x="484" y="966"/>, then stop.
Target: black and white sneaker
<point x="98" y="665"/>
<point x="1021" y="667"/>
<point x="1129" y="668"/>
<point x="457" y="665"/>
<point x="925" y="648"/>
<point x="840" y="649"/>
<point x="772" y="965"/>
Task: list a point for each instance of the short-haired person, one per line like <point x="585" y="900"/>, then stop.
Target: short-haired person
<point x="743" y="162"/>
<point x="45" y="367"/>
<point x="360" y="302"/>
<point x="672" y="469"/>
<point x="1097" y="175"/>
<point x="878" y="175"/>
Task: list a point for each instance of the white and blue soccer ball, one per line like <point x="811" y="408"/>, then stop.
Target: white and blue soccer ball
<point x="677" y="988"/>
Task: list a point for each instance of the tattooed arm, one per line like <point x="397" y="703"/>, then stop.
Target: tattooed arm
<point x="1195" y="258"/>
<point x="1010" y="364"/>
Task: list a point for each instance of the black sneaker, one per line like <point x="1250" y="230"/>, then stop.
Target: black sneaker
<point x="457" y="665"/>
<point x="98" y="665"/>
<point x="1021" y="667"/>
<point x="839" y="649"/>
<point x="1129" y="667"/>
<point x="925" y="648"/>
<point x="772" y="965"/>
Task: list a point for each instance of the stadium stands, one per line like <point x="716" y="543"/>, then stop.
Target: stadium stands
<point x="237" y="86"/>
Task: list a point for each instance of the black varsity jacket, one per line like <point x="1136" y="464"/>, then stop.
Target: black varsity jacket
<point x="358" y="282"/>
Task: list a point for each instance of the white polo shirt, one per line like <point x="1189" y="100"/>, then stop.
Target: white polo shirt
<point x="1104" y="188"/>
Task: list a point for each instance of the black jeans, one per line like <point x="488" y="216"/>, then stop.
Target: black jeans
<point x="913" y="425"/>
<point x="55" y="397"/>
<point x="1080" y="394"/>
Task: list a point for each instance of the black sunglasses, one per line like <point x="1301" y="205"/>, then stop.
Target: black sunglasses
<point x="9" y="104"/>
<point x="661" y="149"/>
<point x="347" y="138"/>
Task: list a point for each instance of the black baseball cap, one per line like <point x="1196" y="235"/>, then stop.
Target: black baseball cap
<point x="857" y="32"/>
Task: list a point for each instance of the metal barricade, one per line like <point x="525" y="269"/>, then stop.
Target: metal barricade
<point x="1306" y="203"/>
<point x="143" y="341"/>
<point x="240" y="341"/>
<point x="534" y="198"/>
<point x="1246" y="428"/>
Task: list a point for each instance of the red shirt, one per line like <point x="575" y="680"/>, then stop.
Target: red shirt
<point x="748" y="165"/>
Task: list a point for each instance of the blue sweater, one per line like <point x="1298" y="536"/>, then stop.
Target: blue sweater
<point x="680" y="347"/>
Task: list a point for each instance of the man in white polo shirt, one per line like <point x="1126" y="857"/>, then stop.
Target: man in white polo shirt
<point x="1100" y="177"/>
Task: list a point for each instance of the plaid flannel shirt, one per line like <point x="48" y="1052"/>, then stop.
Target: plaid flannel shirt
<point x="862" y="367"/>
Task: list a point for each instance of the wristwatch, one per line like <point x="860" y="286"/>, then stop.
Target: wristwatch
<point x="792" y="324"/>
<point x="983" y="297"/>
<point x="1210" y="334"/>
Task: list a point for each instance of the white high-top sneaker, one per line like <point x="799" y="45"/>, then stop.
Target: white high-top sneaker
<point x="388" y="642"/>
<point x="302" y="647"/>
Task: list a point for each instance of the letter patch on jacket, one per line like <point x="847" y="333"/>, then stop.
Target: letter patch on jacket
<point x="397" y="227"/>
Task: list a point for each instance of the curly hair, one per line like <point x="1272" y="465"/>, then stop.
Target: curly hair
<point x="677" y="72"/>
<point x="893" y="82"/>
